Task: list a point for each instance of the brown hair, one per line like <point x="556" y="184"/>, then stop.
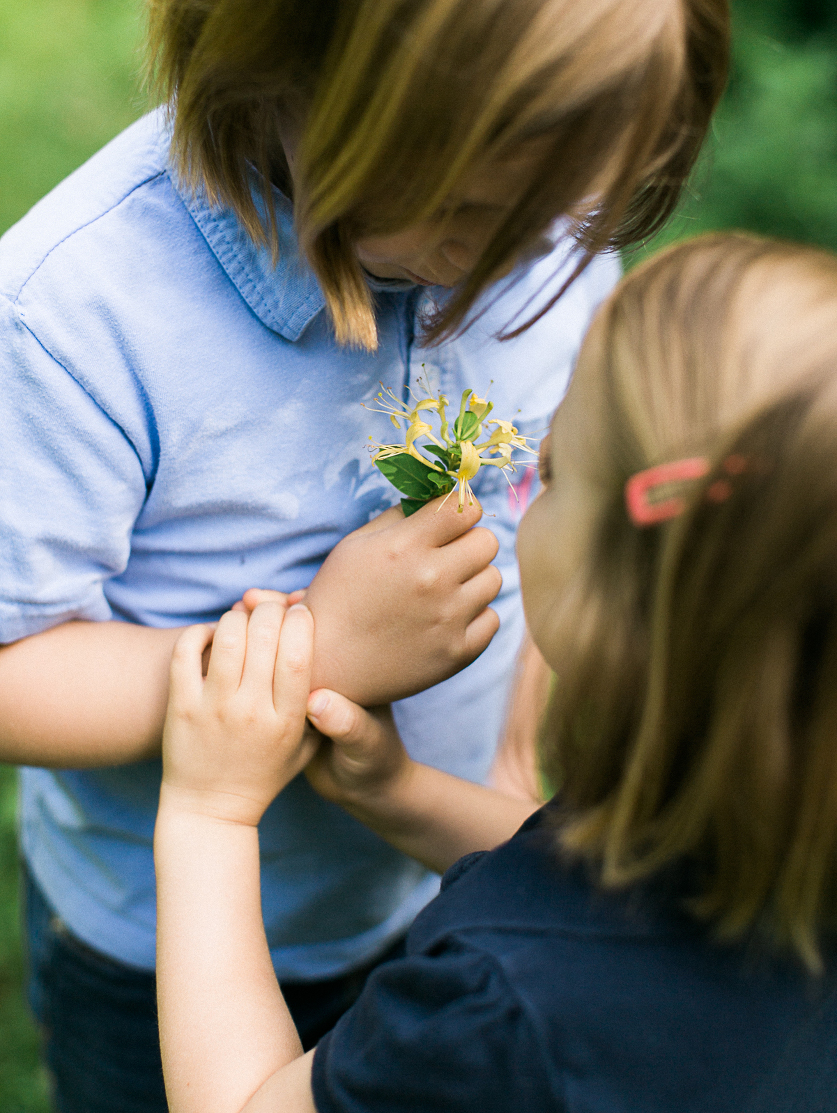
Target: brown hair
<point x="696" y="719"/>
<point x="398" y="100"/>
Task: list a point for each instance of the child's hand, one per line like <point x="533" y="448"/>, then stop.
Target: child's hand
<point x="401" y="604"/>
<point x="255" y="595"/>
<point x="234" y="740"/>
<point x="435" y="818"/>
<point x="361" y="756"/>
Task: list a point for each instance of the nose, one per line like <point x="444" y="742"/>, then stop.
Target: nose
<point x="459" y="254"/>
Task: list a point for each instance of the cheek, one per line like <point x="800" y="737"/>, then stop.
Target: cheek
<point x="535" y="556"/>
<point x="403" y="245"/>
<point x="553" y="550"/>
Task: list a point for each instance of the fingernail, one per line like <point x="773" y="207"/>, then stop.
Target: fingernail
<point x="317" y="703"/>
<point x="297" y="607"/>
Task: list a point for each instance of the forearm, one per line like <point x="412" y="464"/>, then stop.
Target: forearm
<point x="85" y="694"/>
<point x="437" y="818"/>
<point x="224" y="1027"/>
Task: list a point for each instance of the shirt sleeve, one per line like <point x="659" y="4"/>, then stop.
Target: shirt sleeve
<point x="433" y="1032"/>
<point x="71" y="487"/>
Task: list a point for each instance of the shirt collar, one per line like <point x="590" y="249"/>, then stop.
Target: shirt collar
<point x="286" y="296"/>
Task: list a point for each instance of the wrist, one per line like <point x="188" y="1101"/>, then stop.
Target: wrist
<point x="212" y="808"/>
<point x="195" y="847"/>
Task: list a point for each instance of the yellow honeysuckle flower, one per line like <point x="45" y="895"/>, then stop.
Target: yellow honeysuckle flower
<point x="504" y="428"/>
<point x="456" y="457"/>
<point x="502" y="455"/>
<point x="419" y="429"/>
<point x="468" y="468"/>
<point x="504" y="439"/>
<point x="428" y="404"/>
<point x="398" y="411"/>
<point x="471" y="461"/>
<point x="480" y="407"/>
<point x="384" y="451"/>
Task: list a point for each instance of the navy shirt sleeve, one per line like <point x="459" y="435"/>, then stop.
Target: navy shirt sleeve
<point x="442" y="1031"/>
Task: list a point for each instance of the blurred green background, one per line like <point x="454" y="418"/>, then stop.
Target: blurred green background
<point x="69" y="82"/>
<point x="771" y="163"/>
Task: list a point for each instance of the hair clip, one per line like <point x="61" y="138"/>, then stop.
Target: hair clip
<point x="639" y="487"/>
<point x="643" y="512"/>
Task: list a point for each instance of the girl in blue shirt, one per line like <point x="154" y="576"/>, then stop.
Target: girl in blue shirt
<point x="335" y="195"/>
<point x="659" y="937"/>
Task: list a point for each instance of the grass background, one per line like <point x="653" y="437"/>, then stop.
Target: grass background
<point x="69" y="81"/>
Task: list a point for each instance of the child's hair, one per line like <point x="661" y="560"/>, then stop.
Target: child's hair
<point x="398" y="100"/>
<point x="695" y="718"/>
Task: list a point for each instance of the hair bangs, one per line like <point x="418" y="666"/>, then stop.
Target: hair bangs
<point x="397" y="101"/>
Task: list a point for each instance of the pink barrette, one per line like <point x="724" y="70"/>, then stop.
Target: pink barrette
<point x="639" y="487"/>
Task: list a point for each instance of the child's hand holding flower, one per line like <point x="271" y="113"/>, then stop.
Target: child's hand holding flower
<point x="401" y="605"/>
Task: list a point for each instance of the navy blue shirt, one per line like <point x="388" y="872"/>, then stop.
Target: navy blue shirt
<point x="526" y="988"/>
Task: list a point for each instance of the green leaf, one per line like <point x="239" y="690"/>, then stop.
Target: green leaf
<point x="409" y="475"/>
<point x="466" y="426"/>
<point x="411" y="505"/>
<point x="442" y="483"/>
<point x="442" y="453"/>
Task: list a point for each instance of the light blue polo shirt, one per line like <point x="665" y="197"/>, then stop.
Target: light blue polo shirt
<point x="178" y="426"/>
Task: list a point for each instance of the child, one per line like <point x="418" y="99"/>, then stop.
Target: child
<point x="659" y="937"/>
<point x="189" y="326"/>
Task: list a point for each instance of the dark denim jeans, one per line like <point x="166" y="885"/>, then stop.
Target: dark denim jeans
<point x="99" y="1017"/>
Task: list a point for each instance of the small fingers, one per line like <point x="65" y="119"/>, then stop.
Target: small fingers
<point x="479" y="591"/>
<point x="255" y="595"/>
<point x="262" y="643"/>
<point x="480" y="632"/>
<point x="471" y="553"/>
<point x="365" y="744"/>
<point x="362" y="740"/>
<point x="337" y="717"/>
<point x="186" y="673"/>
<point x="383" y="521"/>
<point x="440" y="521"/>
<point x="228" y="650"/>
<point x="294" y="661"/>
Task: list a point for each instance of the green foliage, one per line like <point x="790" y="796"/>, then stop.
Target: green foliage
<point x="791" y="19"/>
<point x="466" y="427"/>
<point x="449" y="457"/>
<point x="23" y="1086"/>
<point x="770" y="165"/>
<point x="418" y="481"/>
<point x="68" y="83"/>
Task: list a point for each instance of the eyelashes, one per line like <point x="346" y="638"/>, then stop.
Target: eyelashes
<point x="544" y="462"/>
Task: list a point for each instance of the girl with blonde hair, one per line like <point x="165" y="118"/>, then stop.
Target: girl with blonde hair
<point x="335" y="195"/>
<point x="661" y="935"/>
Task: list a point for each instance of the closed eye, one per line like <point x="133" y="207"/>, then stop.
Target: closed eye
<point x="470" y="211"/>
